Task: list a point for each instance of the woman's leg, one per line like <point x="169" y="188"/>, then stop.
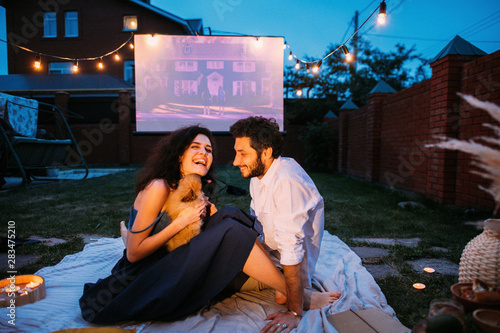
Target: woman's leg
<point x="260" y="267"/>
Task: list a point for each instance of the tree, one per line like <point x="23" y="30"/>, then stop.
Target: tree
<point x="339" y="79"/>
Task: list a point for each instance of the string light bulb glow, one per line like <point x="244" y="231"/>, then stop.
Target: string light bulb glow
<point x="131" y="45"/>
<point x="100" y="65"/>
<point x="299" y="92"/>
<point x="297" y="64"/>
<point x="117" y="56"/>
<point x="38" y="61"/>
<point x="316" y="67"/>
<point x="290" y="56"/>
<point x="75" y="65"/>
<point x="382" y="13"/>
<point x="348" y="56"/>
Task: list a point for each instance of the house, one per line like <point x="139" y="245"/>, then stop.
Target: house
<point x="63" y="31"/>
<point x="60" y="34"/>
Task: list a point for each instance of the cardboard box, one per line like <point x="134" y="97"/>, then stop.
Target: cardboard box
<point x="366" y="321"/>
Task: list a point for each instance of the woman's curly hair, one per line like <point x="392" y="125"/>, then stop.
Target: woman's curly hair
<point x="164" y="160"/>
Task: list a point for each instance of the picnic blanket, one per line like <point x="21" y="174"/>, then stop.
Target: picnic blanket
<point x="338" y="268"/>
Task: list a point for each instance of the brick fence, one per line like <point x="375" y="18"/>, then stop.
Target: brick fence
<point x="384" y="141"/>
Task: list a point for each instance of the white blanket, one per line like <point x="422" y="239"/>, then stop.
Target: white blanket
<point x="338" y="268"/>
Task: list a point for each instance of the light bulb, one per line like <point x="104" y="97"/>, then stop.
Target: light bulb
<point x="75" y="66"/>
<point x="100" y="65"/>
<point x="117" y="56"/>
<point x="38" y="61"/>
<point x="316" y="67"/>
<point x="299" y="92"/>
<point x="382" y="13"/>
<point x="290" y="56"/>
<point x="348" y="56"/>
<point x="297" y="64"/>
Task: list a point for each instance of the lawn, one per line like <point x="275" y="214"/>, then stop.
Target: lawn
<point x="353" y="209"/>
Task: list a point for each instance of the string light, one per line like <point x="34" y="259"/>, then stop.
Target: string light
<point x="348" y="56"/>
<point x="316" y="67"/>
<point x="382" y="13"/>
<point x="297" y="64"/>
<point x="75" y="65"/>
<point x="38" y="61"/>
<point x="382" y="8"/>
<point x="131" y="45"/>
<point x="299" y="92"/>
<point x="117" y="56"/>
<point x="100" y="65"/>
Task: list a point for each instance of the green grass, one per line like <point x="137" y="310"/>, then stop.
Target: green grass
<point x="352" y="209"/>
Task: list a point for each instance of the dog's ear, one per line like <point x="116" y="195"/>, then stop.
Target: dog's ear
<point x="190" y="196"/>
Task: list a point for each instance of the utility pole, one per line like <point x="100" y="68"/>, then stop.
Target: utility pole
<point x="355" y="43"/>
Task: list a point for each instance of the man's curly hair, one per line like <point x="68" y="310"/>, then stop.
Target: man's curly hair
<point x="263" y="133"/>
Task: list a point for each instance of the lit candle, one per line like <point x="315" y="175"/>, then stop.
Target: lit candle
<point x="32" y="285"/>
<point x="418" y="285"/>
<point x="429" y="270"/>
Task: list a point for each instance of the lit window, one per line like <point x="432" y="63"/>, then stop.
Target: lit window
<point x="61" y="68"/>
<point x="71" y="24"/>
<point x="130" y="23"/>
<point x="49" y="25"/>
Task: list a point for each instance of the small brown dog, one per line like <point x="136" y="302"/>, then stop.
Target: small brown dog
<point x="187" y="194"/>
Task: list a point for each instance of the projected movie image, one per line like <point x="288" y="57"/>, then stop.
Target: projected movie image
<point x="207" y="80"/>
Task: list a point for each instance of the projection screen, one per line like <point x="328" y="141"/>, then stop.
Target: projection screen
<point x="208" y="80"/>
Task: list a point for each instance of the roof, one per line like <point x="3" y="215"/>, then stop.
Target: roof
<point x="188" y="25"/>
<point x="382" y="87"/>
<point x="330" y="115"/>
<point x="68" y="82"/>
<point x="460" y="46"/>
<point x="349" y="105"/>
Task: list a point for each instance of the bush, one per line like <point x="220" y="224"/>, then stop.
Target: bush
<point x="318" y="139"/>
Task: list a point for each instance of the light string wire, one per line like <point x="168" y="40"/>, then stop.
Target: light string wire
<point x="40" y="54"/>
<point x="67" y="58"/>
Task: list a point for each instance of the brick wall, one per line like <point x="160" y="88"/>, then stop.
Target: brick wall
<point x="385" y="140"/>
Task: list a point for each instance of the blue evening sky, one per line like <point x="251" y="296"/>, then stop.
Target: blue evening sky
<point x="309" y="27"/>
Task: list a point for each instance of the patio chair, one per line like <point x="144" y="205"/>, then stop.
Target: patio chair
<point x="22" y="153"/>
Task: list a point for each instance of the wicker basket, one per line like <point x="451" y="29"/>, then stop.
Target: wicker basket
<point x="481" y="256"/>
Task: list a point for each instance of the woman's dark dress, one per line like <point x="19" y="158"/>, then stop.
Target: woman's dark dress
<point x="165" y="286"/>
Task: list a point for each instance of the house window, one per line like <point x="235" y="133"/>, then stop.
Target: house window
<point x="185" y="87"/>
<point x="244" y="88"/>
<point x="128" y="71"/>
<point x="71" y="24"/>
<point x="130" y="23"/>
<point x="244" y="66"/>
<point x="49" y="25"/>
<point x="215" y="64"/>
<point x="61" y="68"/>
<point x="186" y="66"/>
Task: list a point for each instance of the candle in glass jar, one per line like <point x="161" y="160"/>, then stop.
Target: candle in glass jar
<point x="419" y="286"/>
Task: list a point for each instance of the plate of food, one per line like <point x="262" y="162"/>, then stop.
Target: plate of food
<point x="477" y="294"/>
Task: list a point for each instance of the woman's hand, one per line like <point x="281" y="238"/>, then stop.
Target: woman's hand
<point x="190" y="215"/>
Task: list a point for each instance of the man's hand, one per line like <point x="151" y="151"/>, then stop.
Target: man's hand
<point x="281" y="322"/>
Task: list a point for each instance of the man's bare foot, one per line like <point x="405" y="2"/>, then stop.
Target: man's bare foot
<point x="280" y="298"/>
<point x="317" y="300"/>
<point x="123" y="232"/>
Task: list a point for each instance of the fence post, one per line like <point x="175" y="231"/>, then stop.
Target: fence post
<point x="444" y="120"/>
<point x="124" y="126"/>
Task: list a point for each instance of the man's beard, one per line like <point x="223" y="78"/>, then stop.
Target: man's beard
<point x="257" y="169"/>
